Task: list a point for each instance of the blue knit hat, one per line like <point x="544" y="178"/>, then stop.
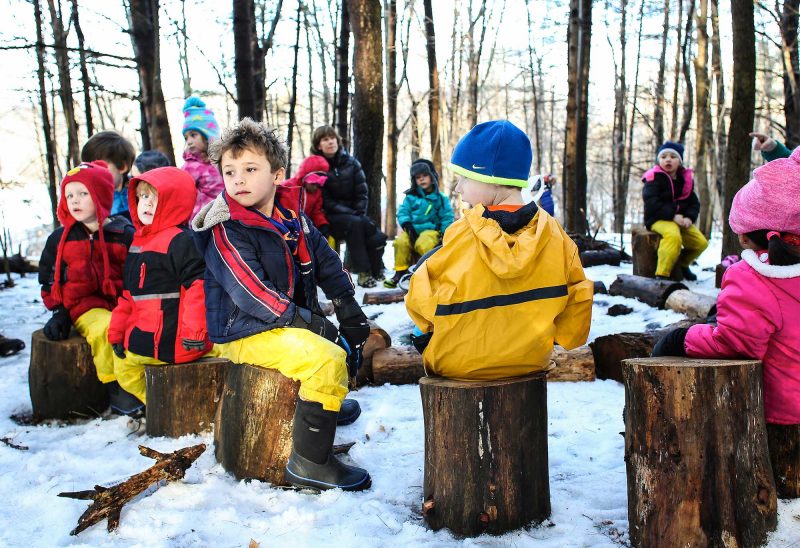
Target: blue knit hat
<point x="198" y="117"/>
<point x="669" y="146"/>
<point x="495" y="152"/>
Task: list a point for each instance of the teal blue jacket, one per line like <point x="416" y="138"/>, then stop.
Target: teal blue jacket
<point x="780" y="151"/>
<point x="425" y="211"/>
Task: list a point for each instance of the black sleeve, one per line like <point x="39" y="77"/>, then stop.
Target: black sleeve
<point x="329" y="272"/>
<point x="47" y="261"/>
<point x="692" y="209"/>
<point x="360" y="189"/>
<point x="187" y="263"/>
<point x="654" y="206"/>
<point x="332" y="206"/>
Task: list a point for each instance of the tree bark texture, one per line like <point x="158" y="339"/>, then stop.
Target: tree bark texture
<point x="648" y="290"/>
<point x="392" y="133"/>
<point x="486" y="464"/>
<point x="645" y="251"/>
<point x="572" y="365"/>
<point x="253" y="427"/>
<point x="397" y="365"/>
<point x="343" y="75"/>
<point x="784" y="454"/>
<point x="64" y="81"/>
<point x="791" y="71"/>
<point x="293" y="98"/>
<point x="737" y="169"/>
<point x="63" y="379"/>
<point x="703" y="133"/>
<point x="677" y="75"/>
<point x="594" y="257"/>
<point x="696" y="452"/>
<point x="619" y="197"/>
<point x="694" y="305"/>
<point x="47" y="132"/>
<point x="87" y="98"/>
<point x="433" y="82"/>
<point x="658" y="109"/>
<point x="384" y="297"/>
<point x="368" y="97"/>
<point x="243" y="59"/>
<point x="688" y="99"/>
<point x="183" y="398"/>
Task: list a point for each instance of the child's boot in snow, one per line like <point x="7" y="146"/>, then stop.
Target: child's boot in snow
<point x="349" y="412"/>
<point x="312" y="462"/>
<point x="123" y="402"/>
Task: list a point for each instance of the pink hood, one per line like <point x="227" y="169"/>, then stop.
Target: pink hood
<point x="685" y="172"/>
<point x="756" y="315"/>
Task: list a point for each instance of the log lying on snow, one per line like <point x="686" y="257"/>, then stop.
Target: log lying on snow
<point x="694" y="305"/>
<point x="384" y="297"/>
<point x="784" y="452"/>
<point x="696" y="453"/>
<point x="600" y="288"/>
<point x="595" y="257"/>
<point x="108" y="501"/>
<point x="572" y="365"/>
<point x="378" y="340"/>
<point x="648" y="290"/>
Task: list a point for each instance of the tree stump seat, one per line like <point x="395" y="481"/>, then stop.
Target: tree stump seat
<point x="696" y="453"/>
<point x="644" y="245"/>
<point x="486" y="463"/>
<point x="183" y="398"/>
<point x="62" y="379"/>
<point x="784" y="453"/>
<point x="253" y="427"/>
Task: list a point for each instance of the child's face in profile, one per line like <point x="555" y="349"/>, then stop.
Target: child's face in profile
<point x="669" y="162"/>
<point x="475" y="192"/>
<point x="146" y="206"/>
<point x="117" y="172"/>
<point x="79" y="202"/>
<point x="195" y="142"/>
<point x="250" y="180"/>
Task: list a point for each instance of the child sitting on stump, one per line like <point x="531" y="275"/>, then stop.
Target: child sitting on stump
<point x="424" y="216"/>
<point x="760" y="294"/>
<point x="161" y="316"/>
<point x="264" y="262"/>
<point x="81" y="267"/>
<point x="507" y="282"/>
<point x="671" y="208"/>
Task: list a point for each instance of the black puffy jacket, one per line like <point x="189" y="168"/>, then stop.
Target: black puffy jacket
<point x="664" y="196"/>
<point x="345" y="192"/>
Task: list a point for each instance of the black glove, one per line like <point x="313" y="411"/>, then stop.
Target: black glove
<point x="322" y="326"/>
<point x="119" y="350"/>
<point x="353" y="324"/>
<point x="671" y="344"/>
<point x="421" y="342"/>
<point x="192" y="344"/>
<point x="325" y="230"/>
<point x="57" y="328"/>
<point x="409" y="228"/>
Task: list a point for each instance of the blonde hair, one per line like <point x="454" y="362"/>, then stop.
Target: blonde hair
<point x="248" y="134"/>
<point x="145" y="187"/>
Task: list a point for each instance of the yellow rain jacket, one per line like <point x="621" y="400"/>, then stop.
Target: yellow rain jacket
<point x="497" y="302"/>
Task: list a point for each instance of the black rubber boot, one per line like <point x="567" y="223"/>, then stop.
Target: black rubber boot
<point x="9" y="347"/>
<point x="688" y="274"/>
<point x="312" y="462"/>
<point x="349" y="412"/>
<point x="123" y="402"/>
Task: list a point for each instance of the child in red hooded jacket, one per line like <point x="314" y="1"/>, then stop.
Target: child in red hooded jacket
<point x="161" y="316"/>
<point x="80" y="269"/>
<point x="311" y="176"/>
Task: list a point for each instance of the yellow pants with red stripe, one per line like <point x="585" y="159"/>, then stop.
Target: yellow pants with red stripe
<point x="299" y="354"/>
<point x="93" y="326"/>
<point x="426" y="241"/>
<point x="673" y="237"/>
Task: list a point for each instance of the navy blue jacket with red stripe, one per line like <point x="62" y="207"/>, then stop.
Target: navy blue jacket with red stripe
<point x="162" y="300"/>
<point x="253" y="281"/>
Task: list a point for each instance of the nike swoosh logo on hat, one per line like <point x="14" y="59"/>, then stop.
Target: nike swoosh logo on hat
<point x="478" y="167"/>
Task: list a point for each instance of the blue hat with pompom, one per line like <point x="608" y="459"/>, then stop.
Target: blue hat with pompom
<point x="198" y="117"/>
<point x="495" y="152"/>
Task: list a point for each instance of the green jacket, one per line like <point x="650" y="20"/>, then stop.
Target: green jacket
<point x="425" y="211"/>
<point x="780" y="151"/>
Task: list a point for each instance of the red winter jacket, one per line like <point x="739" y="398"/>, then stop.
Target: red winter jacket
<point x="163" y="300"/>
<point x="311" y="203"/>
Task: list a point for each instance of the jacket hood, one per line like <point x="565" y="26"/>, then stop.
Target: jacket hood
<point x="508" y="255"/>
<point x="784" y="279"/>
<point x="193" y="157"/>
<point x="309" y="165"/>
<point x="422" y="166"/>
<point x="176" y="198"/>
<point x="220" y="210"/>
<point x="686" y="172"/>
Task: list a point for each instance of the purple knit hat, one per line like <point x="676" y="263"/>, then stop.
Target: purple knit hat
<point x="771" y="201"/>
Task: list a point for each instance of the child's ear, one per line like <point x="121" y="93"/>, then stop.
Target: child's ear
<point x="280" y="174"/>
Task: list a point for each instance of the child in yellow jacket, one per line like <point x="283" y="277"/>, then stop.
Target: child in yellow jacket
<point x="508" y="282"/>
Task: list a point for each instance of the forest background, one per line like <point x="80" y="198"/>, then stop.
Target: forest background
<point x="596" y="85"/>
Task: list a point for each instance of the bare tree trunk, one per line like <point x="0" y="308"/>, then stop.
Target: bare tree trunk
<point x="368" y="96"/>
<point x="618" y="139"/>
<point x="183" y="51"/>
<point x="791" y="71"/>
<point x="47" y="134"/>
<point x="737" y="170"/>
<point x="64" y="81"/>
<point x="392" y="134"/>
<point x="703" y="127"/>
<point x="261" y="48"/>
<point x="433" y="82"/>
<point x="474" y="62"/>
<point x="87" y="97"/>
<point x="535" y="89"/>
<point x="416" y="145"/>
<point x="688" y="100"/>
<point x="658" y="111"/>
<point x="144" y="29"/>
<point x="243" y="61"/>
<point x="721" y="130"/>
<point x="310" y="57"/>
<point x="677" y="76"/>
<point x="626" y="176"/>
<point x="343" y="73"/>
<point x="293" y="99"/>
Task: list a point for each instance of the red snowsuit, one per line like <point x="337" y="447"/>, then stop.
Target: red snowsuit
<point x="311" y="203"/>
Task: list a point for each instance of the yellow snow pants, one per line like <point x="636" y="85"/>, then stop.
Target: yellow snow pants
<point x="673" y="237"/>
<point x="426" y="241"/>
<point x="299" y="354"/>
<point x="93" y="326"/>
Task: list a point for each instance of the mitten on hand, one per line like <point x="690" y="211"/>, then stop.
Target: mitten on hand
<point x="119" y="350"/>
<point x="353" y="324"/>
<point x="322" y="326"/>
<point x="671" y="344"/>
<point x="58" y="326"/>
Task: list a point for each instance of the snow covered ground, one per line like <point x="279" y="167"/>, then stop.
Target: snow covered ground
<point x="210" y="508"/>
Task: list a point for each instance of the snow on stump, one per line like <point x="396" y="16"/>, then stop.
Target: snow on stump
<point x="63" y="379"/>
<point x="653" y="292"/>
<point x="486" y="467"/>
<point x="696" y="453"/>
<point x="253" y="427"/>
<point x="784" y="452"/>
<point x="183" y="398"/>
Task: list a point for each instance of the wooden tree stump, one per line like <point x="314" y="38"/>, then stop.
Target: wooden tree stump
<point x="696" y="452"/>
<point x="572" y="365"/>
<point x="784" y="453"/>
<point x="63" y="379"/>
<point x="486" y="467"/>
<point x="384" y="297"/>
<point x="645" y="251"/>
<point x="378" y="339"/>
<point x="648" y="290"/>
<point x="719" y="272"/>
<point x="183" y="398"/>
<point x="600" y="288"/>
<point x="694" y="305"/>
<point x="253" y="428"/>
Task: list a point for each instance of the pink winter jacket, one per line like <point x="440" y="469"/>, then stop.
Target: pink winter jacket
<point x="757" y="313"/>
<point x="206" y="177"/>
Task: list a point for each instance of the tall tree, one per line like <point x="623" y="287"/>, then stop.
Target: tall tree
<point x="703" y="127"/>
<point x="47" y="132"/>
<point x="535" y="88"/>
<point x="433" y="82"/>
<point x="87" y="97"/>
<point x="474" y="54"/>
<point x="261" y="47"/>
<point x="293" y="98"/>
<point x="144" y="29"/>
<point x="718" y="167"/>
<point x="183" y="50"/>
<point x="658" y="110"/>
<point x="343" y="73"/>
<point x="64" y="80"/>
<point x="619" y="190"/>
<point x="392" y="134"/>
<point x="368" y="96"/>
<point x="737" y="171"/>
<point x="243" y="58"/>
<point x="791" y="71"/>
<point x="676" y="80"/>
<point x="688" y="99"/>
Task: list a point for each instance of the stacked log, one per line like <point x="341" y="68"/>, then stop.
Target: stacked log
<point x="648" y="290"/>
<point x="378" y="340"/>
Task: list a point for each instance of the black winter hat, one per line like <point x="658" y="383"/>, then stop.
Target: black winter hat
<point x="426" y="167"/>
<point x="151" y="159"/>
